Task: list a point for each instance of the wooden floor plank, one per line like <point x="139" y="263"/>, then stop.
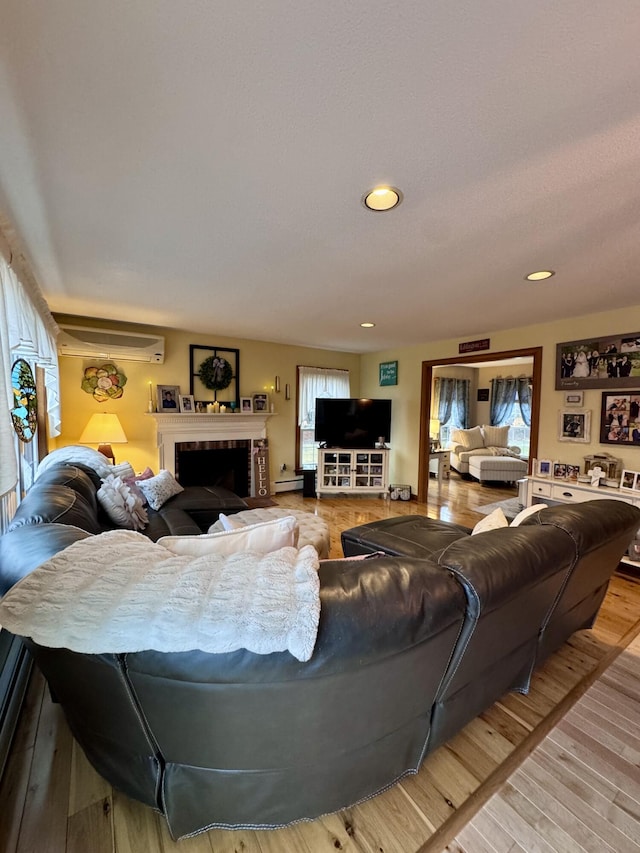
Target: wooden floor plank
<point x="517" y="825"/>
<point x="591" y="751"/>
<point x="580" y="803"/>
<point x="44" y="821"/>
<point x="87" y="786"/>
<point x="91" y="829"/>
<point x="537" y="815"/>
<point x="15" y="780"/>
<point x="136" y="828"/>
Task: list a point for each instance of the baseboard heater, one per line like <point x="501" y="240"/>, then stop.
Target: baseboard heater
<point x="293" y="484"/>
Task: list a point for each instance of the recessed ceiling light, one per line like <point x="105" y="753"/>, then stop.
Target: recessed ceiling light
<point x="382" y="198"/>
<point x="540" y="275"/>
<point x="367" y="325"/>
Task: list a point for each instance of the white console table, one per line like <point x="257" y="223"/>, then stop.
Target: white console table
<point x="549" y="489"/>
<point x="564" y="491"/>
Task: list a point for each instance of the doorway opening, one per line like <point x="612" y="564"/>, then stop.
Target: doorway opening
<point x="534" y="353"/>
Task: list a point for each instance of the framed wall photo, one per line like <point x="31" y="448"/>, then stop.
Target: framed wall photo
<point x="599" y="362"/>
<point x="620" y="418"/>
<point x="630" y="480"/>
<point x="246" y="405"/>
<point x="168" y="398"/>
<point x="187" y="403"/>
<point x="574" y="425"/>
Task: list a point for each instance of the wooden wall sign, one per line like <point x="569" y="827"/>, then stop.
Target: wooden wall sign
<point x="261" y="468"/>
<point x="474" y="346"/>
<point x="388" y="373"/>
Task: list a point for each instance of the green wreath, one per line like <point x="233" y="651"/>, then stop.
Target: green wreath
<point x="215" y="373"/>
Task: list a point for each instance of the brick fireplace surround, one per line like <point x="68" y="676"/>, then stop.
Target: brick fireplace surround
<point x="207" y="431"/>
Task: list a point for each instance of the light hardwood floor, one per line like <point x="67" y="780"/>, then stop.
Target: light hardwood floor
<point x="53" y="802"/>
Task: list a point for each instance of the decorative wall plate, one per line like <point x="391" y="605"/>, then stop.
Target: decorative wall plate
<point x="24" y="412"/>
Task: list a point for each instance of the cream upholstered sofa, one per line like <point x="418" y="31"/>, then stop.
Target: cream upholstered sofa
<point x="480" y="441"/>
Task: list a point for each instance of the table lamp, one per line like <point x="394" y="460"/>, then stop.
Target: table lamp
<point x="104" y="429"/>
<point x="434" y="432"/>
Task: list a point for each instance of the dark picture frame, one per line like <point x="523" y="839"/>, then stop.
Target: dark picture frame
<point x="599" y="362"/>
<point x="229" y="396"/>
<point x="620" y="418"/>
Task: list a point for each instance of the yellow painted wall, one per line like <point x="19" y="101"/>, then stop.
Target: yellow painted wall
<point x="406" y="395"/>
<point x="259" y="364"/>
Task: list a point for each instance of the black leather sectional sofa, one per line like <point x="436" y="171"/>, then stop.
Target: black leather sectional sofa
<point x="410" y="645"/>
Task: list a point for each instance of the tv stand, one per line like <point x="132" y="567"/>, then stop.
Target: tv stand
<point x="341" y="470"/>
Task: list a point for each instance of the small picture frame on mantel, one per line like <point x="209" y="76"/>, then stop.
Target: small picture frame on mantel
<point x="246" y="405"/>
<point x="187" y="404"/>
<point x="544" y="467"/>
<point x="260" y="403"/>
<point x="168" y="398"/>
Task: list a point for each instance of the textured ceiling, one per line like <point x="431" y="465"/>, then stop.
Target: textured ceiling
<point x="200" y="164"/>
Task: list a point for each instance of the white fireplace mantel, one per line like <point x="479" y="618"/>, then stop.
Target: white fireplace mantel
<point x="182" y="427"/>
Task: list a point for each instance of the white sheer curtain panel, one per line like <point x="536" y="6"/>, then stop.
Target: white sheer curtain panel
<point x="32" y="337"/>
<point x="9" y="466"/>
<point x="27" y="330"/>
<point x="317" y="382"/>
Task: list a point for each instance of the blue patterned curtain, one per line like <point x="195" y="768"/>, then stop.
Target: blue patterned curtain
<point x="453" y="401"/>
<point x="524" y="398"/>
<point x="503" y="396"/>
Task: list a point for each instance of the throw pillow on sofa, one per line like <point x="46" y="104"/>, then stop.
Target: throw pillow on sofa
<point x="229" y="523"/>
<point x="470" y="439"/>
<point x="264" y="537"/>
<point x="493" y="521"/>
<point x="122" y="506"/>
<point x="157" y="490"/>
<point x="496" y="436"/>
<point x="525" y="513"/>
<point x="132" y="481"/>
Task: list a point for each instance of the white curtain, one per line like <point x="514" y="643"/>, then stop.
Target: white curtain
<point x="27" y="331"/>
<point x="317" y="382"/>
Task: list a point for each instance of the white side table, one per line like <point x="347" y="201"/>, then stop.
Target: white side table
<point x="440" y="464"/>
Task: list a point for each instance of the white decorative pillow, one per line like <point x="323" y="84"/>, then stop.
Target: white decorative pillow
<point x="264" y="537"/>
<point x="157" y="490"/>
<point x="496" y="436"/>
<point x="493" y="521"/>
<point x="525" y="513"/>
<point x="122" y="506"/>
<point x="470" y="439"/>
<point x="230" y="523"/>
<point x="122" y="470"/>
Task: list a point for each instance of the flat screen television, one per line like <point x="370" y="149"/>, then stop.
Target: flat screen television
<point x="352" y="423"/>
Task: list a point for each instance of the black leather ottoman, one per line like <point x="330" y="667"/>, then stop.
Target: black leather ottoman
<point x="404" y="536"/>
<point x="205" y="503"/>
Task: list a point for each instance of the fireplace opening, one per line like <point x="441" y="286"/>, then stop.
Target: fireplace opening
<point x="207" y="463"/>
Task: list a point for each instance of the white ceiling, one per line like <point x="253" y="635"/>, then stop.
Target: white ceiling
<point x="200" y="164"/>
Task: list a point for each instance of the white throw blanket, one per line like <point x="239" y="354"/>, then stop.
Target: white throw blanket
<point x="119" y="592"/>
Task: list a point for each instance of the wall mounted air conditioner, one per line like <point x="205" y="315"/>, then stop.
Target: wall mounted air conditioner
<point x="85" y="342"/>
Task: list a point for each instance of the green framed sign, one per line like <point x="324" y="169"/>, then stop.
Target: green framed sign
<point x="388" y="373"/>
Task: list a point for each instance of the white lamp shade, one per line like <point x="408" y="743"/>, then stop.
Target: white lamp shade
<point x="103" y="428"/>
